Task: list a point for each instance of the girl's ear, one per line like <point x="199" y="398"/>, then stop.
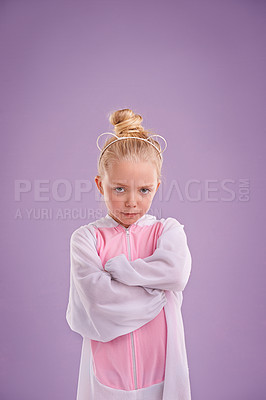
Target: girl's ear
<point x="158" y="186"/>
<point x="98" y="181"/>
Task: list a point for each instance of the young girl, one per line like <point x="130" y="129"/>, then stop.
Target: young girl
<point x="128" y="271"/>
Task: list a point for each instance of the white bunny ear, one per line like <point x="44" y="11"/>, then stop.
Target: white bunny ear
<point x="165" y="142"/>
<point x="105" y="133"/>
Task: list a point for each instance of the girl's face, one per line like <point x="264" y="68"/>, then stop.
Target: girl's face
<point x="128" y="189"/>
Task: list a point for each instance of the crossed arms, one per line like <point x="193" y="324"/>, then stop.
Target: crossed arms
<point x="168" y="268"/>
<point x="104" y="304"/>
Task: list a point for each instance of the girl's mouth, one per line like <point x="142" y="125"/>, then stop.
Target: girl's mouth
<point x="130" y="214"/>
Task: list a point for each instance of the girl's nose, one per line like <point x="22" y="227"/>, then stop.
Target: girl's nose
<point x="131" y="201"/>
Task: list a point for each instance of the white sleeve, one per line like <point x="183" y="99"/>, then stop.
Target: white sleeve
<point x="99" y="307"/>
<point x="168" y="268"/>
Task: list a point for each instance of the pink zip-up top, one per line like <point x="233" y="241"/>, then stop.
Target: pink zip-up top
<point x="125" y="301"/>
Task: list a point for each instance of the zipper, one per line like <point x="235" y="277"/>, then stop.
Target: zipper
<point x="131" y="333"/>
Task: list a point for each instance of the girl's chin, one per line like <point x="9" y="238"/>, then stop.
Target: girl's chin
<point x="126" y="218"/>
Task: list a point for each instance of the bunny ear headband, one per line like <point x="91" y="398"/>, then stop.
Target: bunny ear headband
<point x="129" y="137"/>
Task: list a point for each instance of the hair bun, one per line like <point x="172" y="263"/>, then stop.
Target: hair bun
<point x="126" y="121"/>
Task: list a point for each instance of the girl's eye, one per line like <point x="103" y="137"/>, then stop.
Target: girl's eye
<point x="148" y="190"/>
<point x="121" y="190"/>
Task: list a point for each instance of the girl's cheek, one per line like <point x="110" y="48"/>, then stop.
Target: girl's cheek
<point x="113" y="196"/>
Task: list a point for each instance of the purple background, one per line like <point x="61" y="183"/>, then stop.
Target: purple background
<point x="194" y="71"/>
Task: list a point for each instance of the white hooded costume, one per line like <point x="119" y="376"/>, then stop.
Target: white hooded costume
<point x="125" y="301"/>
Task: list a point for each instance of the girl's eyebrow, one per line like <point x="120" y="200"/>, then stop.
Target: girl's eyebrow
<point x="122" y="184"/>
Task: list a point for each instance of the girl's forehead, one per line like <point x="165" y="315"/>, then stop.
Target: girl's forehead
<point x="131" y="170"/>
<point x="131" y="173"/>
<point x="124" y="165"/>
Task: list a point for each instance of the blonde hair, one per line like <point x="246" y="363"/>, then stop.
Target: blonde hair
<point x="127" y="123"/>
